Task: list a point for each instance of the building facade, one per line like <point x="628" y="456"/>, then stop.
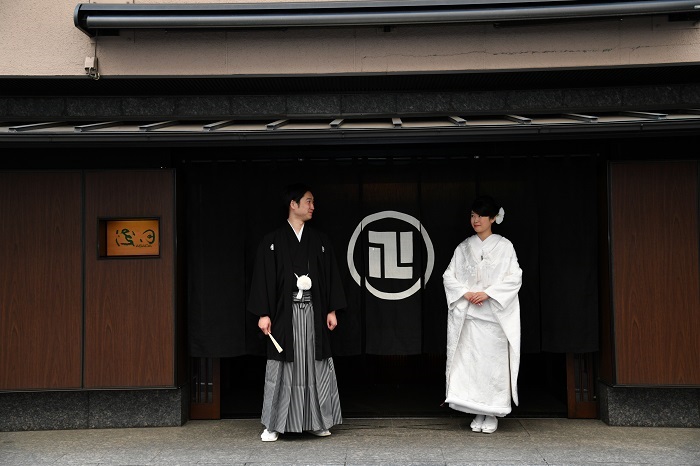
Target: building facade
<point x="580" y="116"/>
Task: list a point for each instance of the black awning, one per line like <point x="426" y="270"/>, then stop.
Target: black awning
<point x="93" y="18"/>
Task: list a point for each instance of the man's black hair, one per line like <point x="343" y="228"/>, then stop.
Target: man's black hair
<point x="294" y="192"/>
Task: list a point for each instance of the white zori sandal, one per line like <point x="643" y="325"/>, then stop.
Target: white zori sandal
<point x="490" y="425"/>
<point x="269" y="436"/>
<point x="477" y="423"/>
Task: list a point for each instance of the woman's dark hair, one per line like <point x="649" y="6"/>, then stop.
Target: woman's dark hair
<point x="294" y="192"/>
<point x="485" y="206"/>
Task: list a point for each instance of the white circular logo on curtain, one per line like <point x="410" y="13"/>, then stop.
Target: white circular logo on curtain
<point x="390" y="255"/>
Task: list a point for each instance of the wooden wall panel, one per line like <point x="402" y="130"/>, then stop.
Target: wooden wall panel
<point x="130" y="302"/>
<point x="40" y="280"/>
<point x="656" y="295"/>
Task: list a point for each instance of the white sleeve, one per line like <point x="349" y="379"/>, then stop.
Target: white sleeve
<point x="505" y="290"/>
<point x="454" y="289"/>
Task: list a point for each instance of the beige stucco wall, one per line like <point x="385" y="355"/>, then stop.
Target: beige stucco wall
<point x="38" y="38"/>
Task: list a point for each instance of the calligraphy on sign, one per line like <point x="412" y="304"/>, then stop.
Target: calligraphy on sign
<point x="133" y="237"/>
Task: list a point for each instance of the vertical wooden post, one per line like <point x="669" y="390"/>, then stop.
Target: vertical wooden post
<point x="582" y="400"/>
<point x="205" y="389"/>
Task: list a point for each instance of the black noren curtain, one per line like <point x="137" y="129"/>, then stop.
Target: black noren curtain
<point x="569" y="262"/>
<point x="394" y="227"/>
<point x="216" y="275"/>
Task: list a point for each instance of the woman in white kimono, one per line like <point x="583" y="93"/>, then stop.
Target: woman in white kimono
<point x="483" y="323"/>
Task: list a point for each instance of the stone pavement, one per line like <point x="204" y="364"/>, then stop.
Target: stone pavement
<point x="400" y="441"/>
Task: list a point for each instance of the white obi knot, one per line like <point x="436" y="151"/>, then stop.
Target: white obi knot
<point x="303" y="283"/>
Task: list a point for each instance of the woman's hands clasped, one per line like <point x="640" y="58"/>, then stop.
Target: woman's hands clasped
<point x="476" y="297"/>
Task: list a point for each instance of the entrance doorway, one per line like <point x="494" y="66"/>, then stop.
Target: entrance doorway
<point x="558" y="254"/>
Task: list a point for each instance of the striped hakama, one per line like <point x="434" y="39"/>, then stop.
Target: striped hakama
<point x="301" y="395"/>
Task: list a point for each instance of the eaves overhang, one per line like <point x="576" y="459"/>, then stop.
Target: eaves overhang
<point x="94" y="19"/>
<point x="339" y="130"/>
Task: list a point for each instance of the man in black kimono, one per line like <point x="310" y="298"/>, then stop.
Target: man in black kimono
<point x="295" y="292"/>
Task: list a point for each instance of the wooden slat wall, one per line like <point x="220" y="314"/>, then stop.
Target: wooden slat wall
<point x="40" y="280"/>
<point x="656" y="296"/>
<point x="130" y="303"/>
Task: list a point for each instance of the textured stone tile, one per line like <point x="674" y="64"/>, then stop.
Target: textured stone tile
<point x="690" y="94"/>
<point x="255" y="463"/>
<point x="221" y="454"/>
<point x="246" y="105"/>
<point x="400" y="463"/>
<point x="517" y="452"/>
<point x="138" y="408"/>
<point x="601" y="450"/>
<point x="562" y="427"/>
<point x="40" y="411"/>
<point x="397" y="454"/>
<point x="358" y="104"/>
<point x="149" y="106"/>
<point x="484" y="102"/>
<point x="424" y="103"/>
<point x="45" y="108"/>
<point x="202" y="106"/>
<point x="650" y="407"/>
<point x="88" y="107"/>
<point x="181" y="463"/>
<point x="23" y="457"/>
<point x="655" y="96"/>
<point x="360" y="442"/>
<point x="496" y="463"/>
<point x="313" y="104"/>
<point x="550" y="99"/>
<point x="603" y="99"/>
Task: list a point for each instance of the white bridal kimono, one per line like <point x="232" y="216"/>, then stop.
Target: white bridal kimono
<point x="483" y="342"/>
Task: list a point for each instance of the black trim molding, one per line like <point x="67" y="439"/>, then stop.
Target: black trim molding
<point x="365" y="83"/>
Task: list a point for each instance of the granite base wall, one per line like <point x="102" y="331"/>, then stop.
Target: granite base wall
<point x="649" y="407"/>
<point x="93" y="409"/>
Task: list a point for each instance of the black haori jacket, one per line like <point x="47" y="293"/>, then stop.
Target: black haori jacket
<point x="274" y="282"/>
